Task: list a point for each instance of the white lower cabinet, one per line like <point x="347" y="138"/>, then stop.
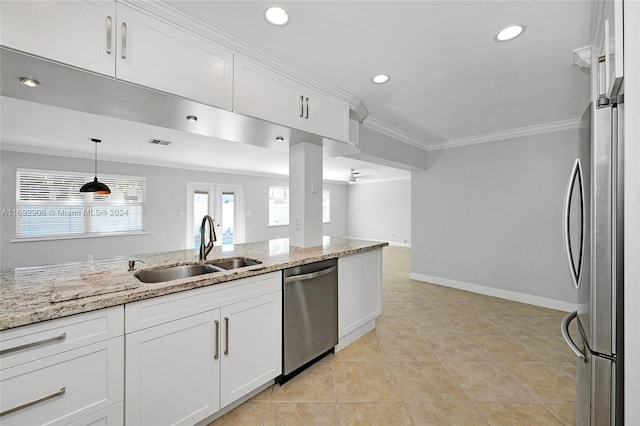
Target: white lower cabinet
<point x="359" y="290"/>
<point x="184" y="370"/>
<point x="253" y="354"/>
<point x="65" y="387"/>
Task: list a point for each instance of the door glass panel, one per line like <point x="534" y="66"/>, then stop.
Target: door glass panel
<point x="200" y="209"/>
<point x="228" y="217"/>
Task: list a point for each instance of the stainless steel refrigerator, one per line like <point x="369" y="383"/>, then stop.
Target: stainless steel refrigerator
<point x="593" y="228"/>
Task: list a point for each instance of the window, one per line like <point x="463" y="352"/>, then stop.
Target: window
<point x="49" y="204"/>
<point x="326" y="206"/>
<point x="278" y="205"/>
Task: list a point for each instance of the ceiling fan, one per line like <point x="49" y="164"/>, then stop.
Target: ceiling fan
<point x="353" y="176"/>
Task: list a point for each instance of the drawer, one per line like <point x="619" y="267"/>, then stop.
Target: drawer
<point x="160" y="310"/>
<point x="112" y="416"/>
<point x="31" y="342"/>
<point x="65" y="387"/>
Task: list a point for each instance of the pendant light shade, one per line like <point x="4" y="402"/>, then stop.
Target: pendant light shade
<point x="95" y="185"/>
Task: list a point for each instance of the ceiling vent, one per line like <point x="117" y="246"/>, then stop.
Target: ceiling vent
<point x="159" y="142"/>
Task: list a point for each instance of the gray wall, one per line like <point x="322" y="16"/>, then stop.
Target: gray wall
<point x="380" y="211"/>
<point x="166" y="198"/>
<point x="491" y="214"/>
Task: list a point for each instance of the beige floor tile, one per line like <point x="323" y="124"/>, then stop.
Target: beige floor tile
<point x="403" y="296"/>
<point x="426" y="381"/>
<point x="432" y="324"/>
<point x="487" y="382"/>
<point x="475" y="324"/>
<point x="392" y="308"/>
<point x="373" y="413"/>
<point x="546" y="348"/>
<point x="518" y="414"/>
<point x="565" y="412"/>
<point x="366" y="348"/>
<point x="502" y="348"/>
<point x="454" y="347"/>
<point x="548" y="381"/>
<point x="313" y="384"/>
<point x="445" y="414"/>
<point x="359" y="381"/>
<point x="301" y="414"/>
<point x="265" y="395"/>
<point x="418" y="308"/>
<point x="250" y="413"/>
<point x="395" y="325"/>
<point x="399" y="348"/>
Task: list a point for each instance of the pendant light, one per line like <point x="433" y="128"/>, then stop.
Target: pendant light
<point x="95" y="186"/>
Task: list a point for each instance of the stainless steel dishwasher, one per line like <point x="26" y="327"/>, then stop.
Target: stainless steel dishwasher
<point x="310" y="326"/>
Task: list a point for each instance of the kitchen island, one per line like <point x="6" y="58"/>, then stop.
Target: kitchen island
<point x="87" y="342"/>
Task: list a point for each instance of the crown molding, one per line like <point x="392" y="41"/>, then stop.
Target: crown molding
<point x="582" y="57"/>
<point x="397" y="134"/>
<point x="174" y="17"/>
<point x="556" y="126"/>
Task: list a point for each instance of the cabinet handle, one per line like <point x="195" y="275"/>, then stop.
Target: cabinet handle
<point x="37" y="401"/>
<point x="30" y="345"/>
<point x="226" y="336"/>
<point x="217" y="354"/>
<point x="124" y="40"/>
<point x="109" y="26"/>
<point x="301" y="106"/>
<point x="307" y="116"/>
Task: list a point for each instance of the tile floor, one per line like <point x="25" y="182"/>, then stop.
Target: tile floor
<point x="438" y="356"/>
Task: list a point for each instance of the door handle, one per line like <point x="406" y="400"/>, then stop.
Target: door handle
<point x="301" y="106"/>
<point x="61" y="392"/>
<point x="576" y="270"/>
<point x="564" y="328"/>
<point x="217" y="354"/>
<point x="307" y="100"/>
<point x="31" y="345"/>
<point x="123" y="35"/>
<point x="226" y="335"/>
<point x="109" y="30"/>
<point x="310" y="276"/>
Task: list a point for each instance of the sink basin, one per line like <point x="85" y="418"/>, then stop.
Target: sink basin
<point x="240" y="262"/>
<point x="176" y="272"/>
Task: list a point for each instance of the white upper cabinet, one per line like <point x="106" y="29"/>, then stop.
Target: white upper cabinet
<point x="157" y="55"/>
<point x="266" y="94"/>
<point x="134" y="47"/>
<point x="80" y="33"/>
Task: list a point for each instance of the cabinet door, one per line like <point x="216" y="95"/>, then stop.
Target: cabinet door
<point x="262" y="93"/>
<point x="251" y="345"/>
<point x="157" y="55"/>
<point x="172" y="376"/>
<point x="325" y="116"/>
<point x="62" y="388"/>
<point x="359" y="290"/>
<point x="78" y="33"/>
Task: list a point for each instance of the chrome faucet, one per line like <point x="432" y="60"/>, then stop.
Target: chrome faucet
<point x="205" y="249"/>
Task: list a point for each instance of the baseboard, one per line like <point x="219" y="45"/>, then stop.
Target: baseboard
<point x="355" y="335"/>
<point x="498" y="292"/>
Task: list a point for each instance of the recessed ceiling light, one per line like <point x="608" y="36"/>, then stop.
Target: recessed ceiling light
<point x="192" y="118"/>
<point x="277" y="15"/>
<point x="29" y="82"/>
<point x="380" y="78"/>
<point x="509" y="33"/>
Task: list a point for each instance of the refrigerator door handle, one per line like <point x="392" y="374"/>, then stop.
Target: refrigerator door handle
<point x="576" y="270"/>
<point x="567" y="337"/>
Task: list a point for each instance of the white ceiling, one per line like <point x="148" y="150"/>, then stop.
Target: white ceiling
<point x="449" y="78"/>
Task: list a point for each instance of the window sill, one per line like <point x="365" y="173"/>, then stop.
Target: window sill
<point x="74" y="237"/>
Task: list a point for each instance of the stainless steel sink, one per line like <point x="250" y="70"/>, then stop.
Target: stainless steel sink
<point x="176" y="272"/>
<point x="239" y="262"/>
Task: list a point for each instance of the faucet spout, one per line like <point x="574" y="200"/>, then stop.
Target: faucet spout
<point x="205" y="249"/>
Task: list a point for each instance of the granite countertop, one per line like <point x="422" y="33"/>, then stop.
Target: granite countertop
<point x="33" y="294"/>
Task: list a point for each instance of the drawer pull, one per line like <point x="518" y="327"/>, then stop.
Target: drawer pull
<point x="30" y="345"/>
<point x="37" y="401"/>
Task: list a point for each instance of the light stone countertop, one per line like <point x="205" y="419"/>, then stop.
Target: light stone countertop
<point x="33" y="294"/>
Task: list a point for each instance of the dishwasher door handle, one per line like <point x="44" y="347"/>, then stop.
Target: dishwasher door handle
<point x="312" y="275"/>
